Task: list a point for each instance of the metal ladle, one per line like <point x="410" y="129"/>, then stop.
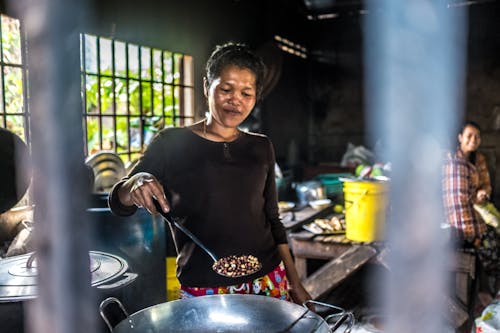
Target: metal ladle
<point x="217" y="261"/>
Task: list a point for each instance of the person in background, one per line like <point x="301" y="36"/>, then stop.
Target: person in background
<point x="220" y="183"/>
<point x="466" y="182"/>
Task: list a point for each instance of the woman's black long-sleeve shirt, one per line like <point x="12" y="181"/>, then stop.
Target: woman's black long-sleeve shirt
<point x="223" y="192"/>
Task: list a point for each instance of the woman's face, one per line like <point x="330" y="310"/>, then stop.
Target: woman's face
<point x="469" y="139"/>
<point x="232" y="96"/>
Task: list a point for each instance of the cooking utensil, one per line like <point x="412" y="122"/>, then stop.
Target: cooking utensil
<point x="108" y="169"/>
<point x="228" y="313"/>
<point x="285" y="206"/>
<point x="320" y="204"/>
<point x="220" y="264"/>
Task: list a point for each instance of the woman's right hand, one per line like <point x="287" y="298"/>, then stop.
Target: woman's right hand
<point x="140" y="190"/>
<point x="482" y="196"/>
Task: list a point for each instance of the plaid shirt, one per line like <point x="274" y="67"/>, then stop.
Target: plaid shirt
<point x="461" y="181"/>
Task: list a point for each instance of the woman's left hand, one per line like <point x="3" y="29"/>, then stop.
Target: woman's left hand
<point x="299" y="295"/>
<point x="297" y="291"/>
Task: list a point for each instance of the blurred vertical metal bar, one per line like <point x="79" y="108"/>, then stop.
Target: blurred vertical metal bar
<point x="64" y="302"/>
<point x="415" y="59"/>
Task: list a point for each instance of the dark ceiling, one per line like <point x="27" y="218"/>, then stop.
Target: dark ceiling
<point x="331" y="28"/>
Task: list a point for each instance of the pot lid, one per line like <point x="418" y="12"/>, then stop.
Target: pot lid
<point x="18" y="274"/>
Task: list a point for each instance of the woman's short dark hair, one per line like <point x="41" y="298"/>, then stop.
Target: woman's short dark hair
<point x="237" y="54"/>
<point x="470" y="123"/>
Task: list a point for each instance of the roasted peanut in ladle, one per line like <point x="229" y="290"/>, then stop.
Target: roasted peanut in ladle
<point x="236" y="266"/>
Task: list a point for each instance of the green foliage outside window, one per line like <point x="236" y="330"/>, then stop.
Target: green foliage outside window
<point x="12" y="113"/>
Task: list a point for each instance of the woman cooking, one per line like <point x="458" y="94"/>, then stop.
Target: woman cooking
<point x="466" y="182"/>
<point x="219" y="182"/>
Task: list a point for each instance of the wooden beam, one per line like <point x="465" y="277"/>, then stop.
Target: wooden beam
<point x="317" y="250"/>
<point x="454" y="313"/>
<point x="301" y="267"/>
<point x="381" y="258"/>
<point x="464" y="262"/>
<point x="336" y="270"/>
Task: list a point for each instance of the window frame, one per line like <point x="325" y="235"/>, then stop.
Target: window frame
<point x="24" y="112"/>
<point x="178" y="79"/>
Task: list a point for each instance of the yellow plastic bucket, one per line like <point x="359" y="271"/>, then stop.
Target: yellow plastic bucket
<point x="366" y="205"/>
<point x="172" y="284"/>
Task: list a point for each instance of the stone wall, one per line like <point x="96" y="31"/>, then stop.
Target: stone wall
<point x="483" y="83"/>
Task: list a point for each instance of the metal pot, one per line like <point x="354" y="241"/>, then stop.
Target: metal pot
<point x="18" y="275"/>
<point x="18" y="283"/>
<point x="141" y="239"/>
<point x="227" y="313"/>
<point x="310" y="191"/>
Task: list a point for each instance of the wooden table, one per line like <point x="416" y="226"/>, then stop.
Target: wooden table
<point x="345" y="257"/>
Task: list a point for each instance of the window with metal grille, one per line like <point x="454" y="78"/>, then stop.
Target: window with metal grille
<point x="130" y="92"/>
<point x="13" y="107"/>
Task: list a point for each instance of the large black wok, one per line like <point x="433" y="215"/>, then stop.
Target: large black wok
<point x="227" y="313"/>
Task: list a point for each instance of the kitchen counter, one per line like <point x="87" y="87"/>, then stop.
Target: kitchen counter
<point x="344" y="258"/>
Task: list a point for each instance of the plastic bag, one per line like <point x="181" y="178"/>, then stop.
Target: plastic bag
<point x="489" y="214"/>
<point x="356" y="155"/>
<point x="489" y="322"/>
